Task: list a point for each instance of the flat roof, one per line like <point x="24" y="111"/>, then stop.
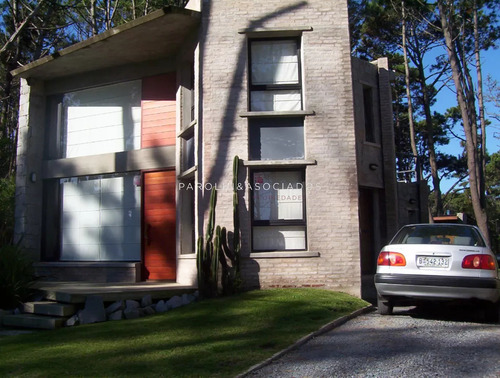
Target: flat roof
<point x="157" y="35"/>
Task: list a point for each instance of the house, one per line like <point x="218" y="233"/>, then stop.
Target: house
<point x="122" y="137"/>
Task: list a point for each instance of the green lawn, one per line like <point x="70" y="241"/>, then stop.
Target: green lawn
<point x="217" y="337"/>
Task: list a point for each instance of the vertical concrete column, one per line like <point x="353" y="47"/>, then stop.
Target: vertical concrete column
<point x="28" y="211"/>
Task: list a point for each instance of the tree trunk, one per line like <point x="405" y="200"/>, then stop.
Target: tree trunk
<point x="480" y="98"/>
<point x="93" y="17"/>
<point x="407" y="82"/>
<point x="462" y="97"/>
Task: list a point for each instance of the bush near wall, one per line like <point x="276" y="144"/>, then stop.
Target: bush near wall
<point x="17" y="277"/>
<point x="7" y="200"/>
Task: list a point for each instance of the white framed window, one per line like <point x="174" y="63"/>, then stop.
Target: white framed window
<point x="278" y="210"/>
<point x="101" y="120"/>
<point x="275" y="77"/>
<point x="101" y="218"/>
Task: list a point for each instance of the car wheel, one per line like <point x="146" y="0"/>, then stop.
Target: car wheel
<point x="384" y="306"/>
<point x="492" y="312"/>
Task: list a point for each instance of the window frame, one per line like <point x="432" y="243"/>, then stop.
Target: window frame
<point x="255" y="126"/>
<point x="276" y="223"/>
<point x="275" y="87"/>
<point x="369" y="114"/>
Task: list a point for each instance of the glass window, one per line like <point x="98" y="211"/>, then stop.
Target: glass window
<point x="101" y="218"/>
<point x="102" y="120"/>
<point x="278" y="210"/>
<point x="368" y="114"/>
<point x="187" y="146"/>
<point x="439" y="234"/>
<point x="276" y="138"/>
<point x="275" y="83"/>
<point x="187" y="230"/>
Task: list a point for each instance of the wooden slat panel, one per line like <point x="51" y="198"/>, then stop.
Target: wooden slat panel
<point x="152" y="178"/>
<point x="158" y="111"/>
<point x="164" y="135"/>
<point x="159" y="214"/>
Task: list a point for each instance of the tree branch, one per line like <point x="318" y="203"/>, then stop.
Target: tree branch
<point x="21" y="27"/>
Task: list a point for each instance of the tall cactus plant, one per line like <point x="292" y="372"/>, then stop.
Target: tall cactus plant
<point x="230" y="258"/>
<point x="215" y="249"/>
<point x="207" y="257"/>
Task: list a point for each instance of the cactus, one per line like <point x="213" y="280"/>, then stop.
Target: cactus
<point x="207" y="258"/>
<point x="215" y="250"/>
<point x="231" y="277"/>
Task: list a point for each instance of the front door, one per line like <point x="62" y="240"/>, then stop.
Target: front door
<point x="159" y="257"/>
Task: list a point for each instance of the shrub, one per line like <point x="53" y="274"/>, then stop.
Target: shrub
<point x="17" y="277"/>
<point x="7" y="198"/>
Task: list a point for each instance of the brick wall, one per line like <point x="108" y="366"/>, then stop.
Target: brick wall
<point x="332" y="197"/>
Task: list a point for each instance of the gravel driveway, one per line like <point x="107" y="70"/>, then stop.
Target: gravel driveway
<point x="436" y="343"/>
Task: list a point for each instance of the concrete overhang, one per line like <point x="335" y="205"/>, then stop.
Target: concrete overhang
<point x="157" y="35"/>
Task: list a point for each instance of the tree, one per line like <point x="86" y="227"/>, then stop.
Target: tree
<point x="492" y="97"/>
<point x="460" y="24"/>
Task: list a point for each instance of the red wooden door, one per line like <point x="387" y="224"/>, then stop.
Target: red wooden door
<point x="159" y="258"/>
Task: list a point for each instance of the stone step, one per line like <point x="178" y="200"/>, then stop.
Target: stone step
<point x="59" y="296"/>
<point x="49" y="308"/>
<point x="33" y="321"/>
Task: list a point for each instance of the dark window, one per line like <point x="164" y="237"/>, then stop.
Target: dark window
<point x="369" y="115"/>
<point x="187" y="230"/>
<point x="278" y="210"/>
<point x="276" y="138"/>
<point x="187" y="147"/>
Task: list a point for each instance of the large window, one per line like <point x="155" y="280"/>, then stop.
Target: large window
<point x="275" y="79"/>
<point x="278" y="210"/>
<point x="101" y="120"/>
<point x="101" y="218"/>
<point x="276" y="138"/>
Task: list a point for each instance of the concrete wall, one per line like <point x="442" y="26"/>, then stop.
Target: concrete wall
<point x="332" y="259"/>
<point x="28" y="212"/>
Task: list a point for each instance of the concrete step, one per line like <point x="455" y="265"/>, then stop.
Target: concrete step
<point x="63" y="297"/>
<point x="33" y="321"/>
<point x="49" y="308"/>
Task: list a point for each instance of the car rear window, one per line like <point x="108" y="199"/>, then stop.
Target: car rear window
<point x="439" y="234"/>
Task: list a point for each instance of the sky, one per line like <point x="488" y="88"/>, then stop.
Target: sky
<point x="446" y="98"/>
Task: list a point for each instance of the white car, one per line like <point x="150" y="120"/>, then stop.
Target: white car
<point x="436" y="262"/>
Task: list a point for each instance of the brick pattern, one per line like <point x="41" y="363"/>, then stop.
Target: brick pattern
<point x="332" y="195"/>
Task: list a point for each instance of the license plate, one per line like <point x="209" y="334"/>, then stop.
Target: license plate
<point x="433" y="262"/>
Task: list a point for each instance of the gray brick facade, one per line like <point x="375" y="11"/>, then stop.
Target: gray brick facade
<point x="332" y="258"/>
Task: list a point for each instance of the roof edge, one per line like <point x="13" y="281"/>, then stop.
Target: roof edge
<point x="105" y="35"/>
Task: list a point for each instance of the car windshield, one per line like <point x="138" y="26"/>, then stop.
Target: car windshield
<point x="439" y="234"/>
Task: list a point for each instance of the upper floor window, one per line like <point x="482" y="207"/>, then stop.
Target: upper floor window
<point x="101" y="120"/>
<point x="275" y="78"/>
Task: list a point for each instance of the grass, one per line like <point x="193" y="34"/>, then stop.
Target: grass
<point x="211" y="338"/>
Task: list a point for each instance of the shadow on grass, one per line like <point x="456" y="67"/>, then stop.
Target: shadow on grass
<point x="210" y="338"/>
